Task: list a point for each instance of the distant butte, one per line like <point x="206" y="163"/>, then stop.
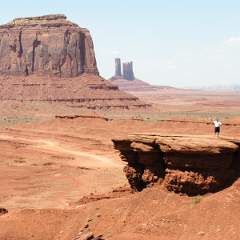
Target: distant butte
<point x="125" y="78"/>
<point x="127" y="68"/>
<point x="49" y="58"/>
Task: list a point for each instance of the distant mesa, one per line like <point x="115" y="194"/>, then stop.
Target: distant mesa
<point x="49" y="58"/>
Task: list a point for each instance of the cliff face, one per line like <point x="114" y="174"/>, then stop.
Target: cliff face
<point x="183" y="164"/>
<point x="48" y="45"/>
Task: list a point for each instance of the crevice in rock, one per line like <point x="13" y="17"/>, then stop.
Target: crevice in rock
<point x="83" y="52"/>
<point x="20" y="52"/>
<point x="36" y="43"/>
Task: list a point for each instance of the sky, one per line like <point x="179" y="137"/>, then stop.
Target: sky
<point x="187" y="43"/>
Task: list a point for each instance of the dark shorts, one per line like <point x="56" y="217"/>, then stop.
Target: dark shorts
<point x="217" y="130"/>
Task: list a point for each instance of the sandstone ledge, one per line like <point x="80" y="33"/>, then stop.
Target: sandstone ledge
<point x="85" y="91"/>
<point x="185" y="164"/>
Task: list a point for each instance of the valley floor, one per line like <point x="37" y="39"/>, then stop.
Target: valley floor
<point x="49" y="164"/>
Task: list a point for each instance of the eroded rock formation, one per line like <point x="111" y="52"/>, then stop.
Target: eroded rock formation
<point x="183" y="164"/>
<point x="123" y="72"/>
<point x="118" y="67"/>
<point x="46" y="45"/>
<point x="128" y="71"/>
<point x="49" y="58"/>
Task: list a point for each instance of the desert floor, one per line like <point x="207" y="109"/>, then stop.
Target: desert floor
<point x="48" y="164"/>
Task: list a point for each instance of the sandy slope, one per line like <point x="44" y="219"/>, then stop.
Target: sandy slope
<point x="151" y="214"/>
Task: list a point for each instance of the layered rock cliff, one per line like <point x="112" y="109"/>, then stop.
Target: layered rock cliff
<point x="49" y="58"/>
<point x="184" y="164"/>
<point x="46" y="45"/>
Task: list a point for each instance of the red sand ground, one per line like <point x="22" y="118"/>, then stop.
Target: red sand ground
<point x="47" y="165"/>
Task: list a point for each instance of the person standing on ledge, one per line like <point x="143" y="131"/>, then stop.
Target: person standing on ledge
<point x="217" y="126"/>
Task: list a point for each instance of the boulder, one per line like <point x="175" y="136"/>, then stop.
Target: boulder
<point x="3" y="211"/>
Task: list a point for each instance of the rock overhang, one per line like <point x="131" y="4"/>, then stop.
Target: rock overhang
<point x="187" y="164"/>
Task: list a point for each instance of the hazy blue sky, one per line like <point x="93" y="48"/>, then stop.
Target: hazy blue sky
<point x="171" y="42"/>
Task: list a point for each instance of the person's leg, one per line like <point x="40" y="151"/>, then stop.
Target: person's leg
<point x="218" y="131"/>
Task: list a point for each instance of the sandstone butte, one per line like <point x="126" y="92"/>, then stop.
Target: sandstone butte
<point x="184" y="164"/>
<point x="49" y="58"/>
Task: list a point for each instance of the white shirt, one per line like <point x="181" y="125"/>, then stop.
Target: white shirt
<point x="217" y="123"/>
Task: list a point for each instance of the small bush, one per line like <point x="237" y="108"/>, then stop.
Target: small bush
<point x="196" y="200"/>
